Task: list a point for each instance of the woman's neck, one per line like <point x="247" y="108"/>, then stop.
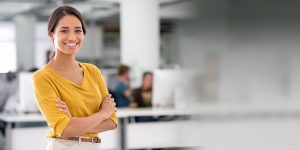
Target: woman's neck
<point x="63" y="62"/>
<point x="146" y="89"/>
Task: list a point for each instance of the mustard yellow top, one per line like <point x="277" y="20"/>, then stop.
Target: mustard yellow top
<point x="82" y="100"/>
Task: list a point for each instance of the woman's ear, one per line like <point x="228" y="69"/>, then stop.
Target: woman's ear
<point x="51" y="36"/>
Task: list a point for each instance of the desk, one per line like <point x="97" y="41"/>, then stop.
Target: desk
<point x="212" y="111"/>
<point x="123" y="115"/>
<point x="10" y="120"/>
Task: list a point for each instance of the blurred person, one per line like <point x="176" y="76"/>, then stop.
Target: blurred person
<point x="122" y="89"/>
<point x="143" y="95"/>
<point x="72" y="96"/>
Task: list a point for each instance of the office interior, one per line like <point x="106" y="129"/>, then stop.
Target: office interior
<point x="226" y="73"/>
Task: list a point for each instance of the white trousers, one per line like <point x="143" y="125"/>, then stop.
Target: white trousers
<point x="61" y="144"/>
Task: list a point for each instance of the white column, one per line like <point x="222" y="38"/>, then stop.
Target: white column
<point x="25" y="38"/>
<point x="140" y="35"/>
<point x="99" y="41"/>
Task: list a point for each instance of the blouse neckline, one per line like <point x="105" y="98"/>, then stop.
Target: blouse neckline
<point x="67" y="80"/>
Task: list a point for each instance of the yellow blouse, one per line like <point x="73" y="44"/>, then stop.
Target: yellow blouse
<point x="82" y="100"/>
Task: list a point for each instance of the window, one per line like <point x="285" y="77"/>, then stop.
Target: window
<point x="8" y="60"/>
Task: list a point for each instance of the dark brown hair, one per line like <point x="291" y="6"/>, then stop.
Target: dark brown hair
<point x="122" y="69"/>
<point x="147" y="73"/>
<point x="60" y="12"/>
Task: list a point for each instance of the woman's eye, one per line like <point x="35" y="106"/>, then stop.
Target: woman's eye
<point x="78" y="31"/>
<point x="64" y="31"/>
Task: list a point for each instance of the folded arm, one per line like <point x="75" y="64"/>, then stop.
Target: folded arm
<point x="105" y="125"/>
<point x="95" y="123"/>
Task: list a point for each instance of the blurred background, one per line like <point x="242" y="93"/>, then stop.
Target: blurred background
<point x="225" y="72"/>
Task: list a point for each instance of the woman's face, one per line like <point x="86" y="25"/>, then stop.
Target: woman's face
<point x="68" y="35"/>
<point x="147" y="82"/>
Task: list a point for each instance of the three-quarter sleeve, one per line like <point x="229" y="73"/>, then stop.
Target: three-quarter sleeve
<point x="104" y="91"/>
<point x="45" y="94"/>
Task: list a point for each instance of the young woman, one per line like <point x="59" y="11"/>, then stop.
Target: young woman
<point x="143" y="94"/>
<point x="71" y="95"/>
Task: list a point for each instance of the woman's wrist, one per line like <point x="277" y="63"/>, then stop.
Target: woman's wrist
<point x="101" y="116"/>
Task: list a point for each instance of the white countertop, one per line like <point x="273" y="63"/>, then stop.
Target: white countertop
<point x="202" y="109"/>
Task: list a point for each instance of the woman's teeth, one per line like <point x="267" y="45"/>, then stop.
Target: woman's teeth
<point x="71" y="44"/>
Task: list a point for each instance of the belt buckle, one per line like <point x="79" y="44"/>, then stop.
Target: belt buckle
<point x="91" y="139"/>
<point x="94" y="139"/>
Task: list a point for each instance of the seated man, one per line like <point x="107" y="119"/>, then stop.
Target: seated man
<point x="122" y="91"/>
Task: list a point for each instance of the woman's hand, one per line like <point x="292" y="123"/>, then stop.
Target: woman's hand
<point x="63" y="107"/>
<point x="108" y="107"/>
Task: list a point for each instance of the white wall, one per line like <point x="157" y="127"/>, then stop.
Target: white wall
<point x="243" y="26"/>
<point x="255" y="43"/>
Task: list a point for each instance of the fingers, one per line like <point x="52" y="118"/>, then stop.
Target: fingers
<point x="108" y="96"/>
<point x="112" y="99"/>
<point x="109" y="104"/>
<point x="63" y="110"/>
<point x="59" y="101"/>
<point x="61" y="104"/>
<point x="62" y="107"/>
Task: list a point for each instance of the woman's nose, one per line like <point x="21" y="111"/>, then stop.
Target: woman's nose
<point x="72" y="36"/>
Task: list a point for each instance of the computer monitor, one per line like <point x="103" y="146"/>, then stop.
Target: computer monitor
<point x="27" y="102"/>
<point x="175" y="88"/>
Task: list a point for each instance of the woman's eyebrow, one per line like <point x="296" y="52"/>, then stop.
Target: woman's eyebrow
<point x="64" y="27"/>
<point x="69" y="27"/>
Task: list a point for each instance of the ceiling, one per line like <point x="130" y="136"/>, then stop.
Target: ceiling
<point x="104" y="10"/>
